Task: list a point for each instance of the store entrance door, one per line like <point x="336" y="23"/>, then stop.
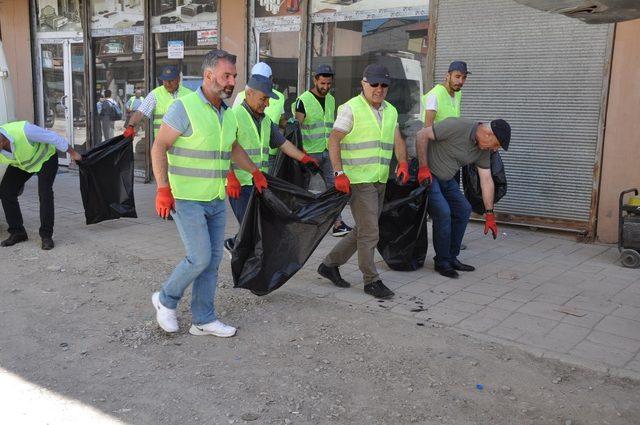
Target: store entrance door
<point x="62" y="92"/>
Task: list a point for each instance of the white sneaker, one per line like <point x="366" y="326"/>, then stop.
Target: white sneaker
<point x="216" y="328"/>
<point x="165" y="317"/>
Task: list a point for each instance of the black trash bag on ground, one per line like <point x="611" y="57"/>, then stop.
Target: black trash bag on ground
<point x="471" y="183"/>
<point x="106" y="181"/>
<point x="281" y="229"/>
<point x="403" y="224"/>
<point x="287" y="168"/>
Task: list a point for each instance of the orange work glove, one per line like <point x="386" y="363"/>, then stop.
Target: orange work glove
<point x="233" y="185"/>
<point x="129" y="132"/>
<point x="310" y="162"/>
<point x="164" y="201"/>
<point x="343" y="184"/>
<point x="490" y="224"/>
<point x="259" y="180"/>
<point x="402" y="172"/>
<point x="424" y="175"/>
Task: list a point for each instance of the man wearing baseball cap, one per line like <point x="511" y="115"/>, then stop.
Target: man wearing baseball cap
<point x="257" y="135"/>
<point x="442" y="149"/>
<point x="315" y="110"/>
<point x="158" y="101"/>
<point x="443" y="101"/>
<point x="275" y="110"/>
<point x="361" y="145"/>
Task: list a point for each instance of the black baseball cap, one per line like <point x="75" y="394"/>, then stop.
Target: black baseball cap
<point x="169" y="72"/>
<point x="324" y="70"/>
<point x="459" y="66"/>
<point x="376" y="74"/>
<point x="502" y="130"/>
<point x="262" y="84"/>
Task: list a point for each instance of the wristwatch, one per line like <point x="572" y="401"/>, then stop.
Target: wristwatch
<point x="338" y="173"/>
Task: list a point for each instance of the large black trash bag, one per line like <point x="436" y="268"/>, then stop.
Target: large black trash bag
<point x="281" y="229"/>
<point x="403" y="224"/>
<point x="287" y="168"/>
<point x="106" y="181"/>
<point x="471" y="183"/>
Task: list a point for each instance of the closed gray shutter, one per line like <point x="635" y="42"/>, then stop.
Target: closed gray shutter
<point x="544" y="73"/>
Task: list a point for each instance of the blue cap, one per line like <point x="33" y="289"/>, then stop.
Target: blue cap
<point x="459" y="66"/>
<point x="262" y="84"/>
<point x="324" y="70"/>
<point x="376" y="73"/>
<point x="169" y="72"/>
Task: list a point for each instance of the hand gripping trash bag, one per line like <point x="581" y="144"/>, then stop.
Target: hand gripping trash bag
<point x="403" y="224"/>
<point x="281" y="229"/>
<point x="287" y="168"/>
<point x="106" y="181"/>
<point x="471" y="183"/>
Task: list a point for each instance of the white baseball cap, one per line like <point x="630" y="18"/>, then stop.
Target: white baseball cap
<point x="261" y="68"/>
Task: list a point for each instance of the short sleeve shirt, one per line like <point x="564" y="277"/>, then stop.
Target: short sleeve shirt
<point x="455" y="146"/>
<point x="177" y="118"/>
<point x="344" y="118"/>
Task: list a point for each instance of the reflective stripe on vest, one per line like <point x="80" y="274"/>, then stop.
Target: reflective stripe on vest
<point x="164" y="99"/>
<point x="255" y="145"/>
<point x="447" y="108"/>
<point x="198" y="164"/>
<point x="367" y="149"/>
<point x="27" y="156"/>
<point x="318" y="122"/>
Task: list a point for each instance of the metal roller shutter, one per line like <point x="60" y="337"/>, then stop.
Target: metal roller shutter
<point x="544" y="74"/>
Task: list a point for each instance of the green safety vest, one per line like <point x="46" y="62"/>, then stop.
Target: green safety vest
<point x="132" y="99"/>
<point x="256" y="145"/>
<point x="367" y="149"/>
<point x="318" y="123"/>
<point x="446" y="108"/>
<point x="27" y="156"/>
<point x="198" y="164"/>
<point x="275" y="108"/>
<point x="164" y="99"/>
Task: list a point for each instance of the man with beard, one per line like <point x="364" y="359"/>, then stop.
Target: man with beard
<point x="190" y="162"/>
<point x="315" y="110"/>
<point x="443" y="101"/>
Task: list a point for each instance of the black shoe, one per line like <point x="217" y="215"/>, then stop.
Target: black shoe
<point x="14" y="239"/>
<point x="448" y="272"/>
<point x="229" y="244"/>
<point x="462" y="247"/>
<point x="341" y="230"/>
<point x="333" y="274"/>
<point x="377" y="289"/>
<point x="457" y="265"/>
<point x="47" y="243"/>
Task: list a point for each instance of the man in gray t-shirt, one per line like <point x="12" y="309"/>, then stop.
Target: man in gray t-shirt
<point x="442" y="150"/>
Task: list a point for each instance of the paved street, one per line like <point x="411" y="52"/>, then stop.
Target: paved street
<point x="540" y="291"/>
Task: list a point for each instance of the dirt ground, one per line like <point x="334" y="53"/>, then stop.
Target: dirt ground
<point x="78" y="321"/>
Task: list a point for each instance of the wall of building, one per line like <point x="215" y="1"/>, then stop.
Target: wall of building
<point x="16" y="39"/>
<point x="233" y="28"/>
<point x="621" y="150"/>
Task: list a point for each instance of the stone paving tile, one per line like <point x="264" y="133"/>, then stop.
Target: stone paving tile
<point x="543" y="310"/>
<point x="621" y="343"/>
<point x="528" y="324"/>
<point x="627" y="312"/>
<point x="561" y="339"/>
<point x="484" y="319"/>
<point x="520" y="295"/>
<point x="601" y="353"/>
<point x="445" y="316"/>
<point x="589" y="320"/>
<point x="619" y="326"/>
<point x="591" y="304"/>
<point x="507" y="305"/>
<point x="459" y="306"/>
<point x="469" y="297"/>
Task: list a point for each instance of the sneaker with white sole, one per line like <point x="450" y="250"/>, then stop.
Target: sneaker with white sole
<point x="165" y="317"/>
<point x="216" y="328"/>
<point x="341" y="229"/>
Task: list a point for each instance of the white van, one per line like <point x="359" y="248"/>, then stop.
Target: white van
<point x="7" y="102"/>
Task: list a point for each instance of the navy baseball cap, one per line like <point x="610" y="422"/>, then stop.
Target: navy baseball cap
<point x="262" y="84"/>
<point x="169" y="72"/>
<point x="324" y="70"/>
<point x="459" y="66"/>
<point x="376" y="73"/>
<point x="502" y="130"/>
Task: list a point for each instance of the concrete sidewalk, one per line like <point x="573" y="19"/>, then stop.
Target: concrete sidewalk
<point x="540" y="291"/>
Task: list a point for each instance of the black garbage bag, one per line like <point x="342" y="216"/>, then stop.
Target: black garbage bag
<point x="403" y="224"/>
<point x="471" y="183"/>
<point x="287" y="168"/>
<point x="281" y="229"/>
<point x="106" y="181"/>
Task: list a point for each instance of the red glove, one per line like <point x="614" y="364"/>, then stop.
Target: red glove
<point x="343" y="184"/>
<point x="164" y="201"/>
<point x="311" y="162"/>
<point x="402" y="172"/>
<point x="233" y="185"/>
<point x="259" y="180"/>
<point x="490" y="224"/>
<point x="129" y="132"/>
<point x="424" y="175"/>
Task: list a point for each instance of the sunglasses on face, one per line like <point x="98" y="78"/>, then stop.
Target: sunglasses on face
<point x="376" y="85"/>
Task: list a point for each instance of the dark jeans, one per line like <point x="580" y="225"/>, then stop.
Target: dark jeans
<point x="239" y="206"/>
<point x="450" y="212"/>
<point x="11" y="187"/>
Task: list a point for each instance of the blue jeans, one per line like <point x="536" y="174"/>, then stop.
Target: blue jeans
<point x="450" y="211"/>
<point x="239" y="206"/>
<point x="201" y="228"/>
